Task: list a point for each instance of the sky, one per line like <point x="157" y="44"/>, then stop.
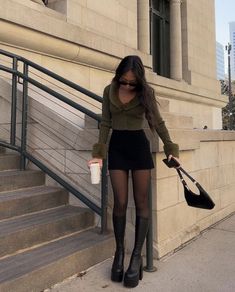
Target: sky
<point x="224" y="13"/>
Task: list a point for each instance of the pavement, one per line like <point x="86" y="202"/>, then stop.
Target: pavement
<point x="206" y="264"/>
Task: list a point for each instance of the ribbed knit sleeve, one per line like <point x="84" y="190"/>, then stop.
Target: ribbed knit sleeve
<point x="161" y="129"/>
<point x="100" y="148"/>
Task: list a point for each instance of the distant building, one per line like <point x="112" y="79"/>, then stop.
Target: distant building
<point x="220" y="61"/>
<point x="232" y="54"/>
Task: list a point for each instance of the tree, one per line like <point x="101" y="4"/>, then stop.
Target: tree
<point x="224" y="87"/>
<point x="228" y="112"/>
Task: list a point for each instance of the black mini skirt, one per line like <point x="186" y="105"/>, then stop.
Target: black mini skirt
<point x="129" y="150"/>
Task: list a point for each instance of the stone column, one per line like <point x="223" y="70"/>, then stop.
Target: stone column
<point x="175" y="40"/>
<point x="143" y="26"/>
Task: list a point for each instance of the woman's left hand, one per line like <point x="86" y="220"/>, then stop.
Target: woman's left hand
<point x="171" y="156"/>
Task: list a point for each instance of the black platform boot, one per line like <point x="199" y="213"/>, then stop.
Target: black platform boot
<point x="119" y="224"/>
<point x="134" y="272"/>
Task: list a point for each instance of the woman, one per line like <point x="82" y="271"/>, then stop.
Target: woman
<point x="126" y="102"/>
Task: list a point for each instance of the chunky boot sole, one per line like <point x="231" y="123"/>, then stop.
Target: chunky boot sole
<point x="116" y="276"/>
<point x="131" y="283"/>
<point x="134" y="281"/>
<point x="117" y="270"/>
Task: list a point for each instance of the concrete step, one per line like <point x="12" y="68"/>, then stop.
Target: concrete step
<point x="16" y="179"/>
<point x="9" y="161"/>
<point x="2" y="149"/>
<point x="19" y="202"/>
<point x="90" y="123"/>
<point x="177" y="121"/>
<point x="40" y="268"/>
<point x="26" y="231"/>
<point x="186" y="138"/>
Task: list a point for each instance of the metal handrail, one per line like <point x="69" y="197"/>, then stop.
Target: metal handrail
<point x="51" y="74"/>
<point x="54" y="93"/>
<point x="101" y="211"/>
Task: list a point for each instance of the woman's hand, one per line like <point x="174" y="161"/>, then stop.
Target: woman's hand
<point x="95" y="160"/>
<point x="176" y="159"/>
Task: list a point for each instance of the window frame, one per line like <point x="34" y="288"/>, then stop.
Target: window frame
<point x="161" y="61"/>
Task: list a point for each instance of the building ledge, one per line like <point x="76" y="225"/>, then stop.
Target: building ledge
<point x="45" y="21"/>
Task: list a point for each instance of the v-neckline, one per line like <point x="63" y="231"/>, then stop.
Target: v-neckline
<point x="114" y="98"/>
<point x="124" y="103"/>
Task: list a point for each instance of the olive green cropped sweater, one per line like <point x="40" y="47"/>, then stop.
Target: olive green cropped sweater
<point x="129" y="116"/>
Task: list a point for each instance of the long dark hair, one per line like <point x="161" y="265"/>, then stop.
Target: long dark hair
<point x="144" y="91"/>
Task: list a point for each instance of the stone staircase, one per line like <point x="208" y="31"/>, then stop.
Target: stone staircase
<point x="179" y="126"/>
<point x="43" y="239"/>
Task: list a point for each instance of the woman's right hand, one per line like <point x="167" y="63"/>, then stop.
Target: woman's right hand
<point x="95" y="160"/>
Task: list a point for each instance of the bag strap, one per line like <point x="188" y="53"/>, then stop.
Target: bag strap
<point x="182" y="179"/>
<point x="188" y="175"/>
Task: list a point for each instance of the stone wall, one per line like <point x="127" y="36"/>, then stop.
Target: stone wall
<point x="212" y="164"/>
<point x="64" y="41"/>
<point x="198" y="36"/>
<point x="113" y="19"/>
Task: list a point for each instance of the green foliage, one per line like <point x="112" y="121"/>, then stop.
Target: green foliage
<point x="228" y="112"/>
<point x="224" y="87"/>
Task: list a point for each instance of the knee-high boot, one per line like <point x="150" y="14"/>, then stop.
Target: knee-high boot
<point x="134" y="272"/>
<point x="119" y="224"/>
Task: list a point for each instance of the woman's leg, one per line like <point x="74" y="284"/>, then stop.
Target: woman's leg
<point x="119" y="181"/>
<point x="141" y="181"/>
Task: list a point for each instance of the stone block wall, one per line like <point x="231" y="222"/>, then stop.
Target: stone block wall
<point x="114" y="19"/>
<point x="213" y="166"/>
<point x="73" y="46"/>
<point x="198" y="41"/>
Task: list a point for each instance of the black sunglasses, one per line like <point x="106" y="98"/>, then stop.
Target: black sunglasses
<point x="122" y="82"/>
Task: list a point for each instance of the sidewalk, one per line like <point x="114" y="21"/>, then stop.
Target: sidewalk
<point x="207" y="264"/>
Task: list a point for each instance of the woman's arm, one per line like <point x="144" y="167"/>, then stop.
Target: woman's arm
<point x="100" y="148"/>
<point x="170" y="148"/>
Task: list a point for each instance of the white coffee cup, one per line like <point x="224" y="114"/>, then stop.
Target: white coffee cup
<point x="95" y="173"/>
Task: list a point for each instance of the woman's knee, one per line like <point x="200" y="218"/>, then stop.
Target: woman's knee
<point x="142" y="208"/>
<point x="120" y="207"/>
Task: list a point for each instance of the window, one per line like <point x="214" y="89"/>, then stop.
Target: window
<point x="160" y="36"/>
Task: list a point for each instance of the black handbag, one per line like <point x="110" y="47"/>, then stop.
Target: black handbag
<point x="201" y="200"/>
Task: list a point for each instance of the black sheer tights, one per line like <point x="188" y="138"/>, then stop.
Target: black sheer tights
<point x="140" y="182"/>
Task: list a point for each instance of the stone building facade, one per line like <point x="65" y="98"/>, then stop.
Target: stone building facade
<point x="84" y="40"/>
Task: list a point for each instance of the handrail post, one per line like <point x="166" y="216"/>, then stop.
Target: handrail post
<point x="149" y="238"/>
<point x="13" y="103"/>
<point x="24" y="118"/>
<point x="104" y="197"/>
<point x="22" y="148"/>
